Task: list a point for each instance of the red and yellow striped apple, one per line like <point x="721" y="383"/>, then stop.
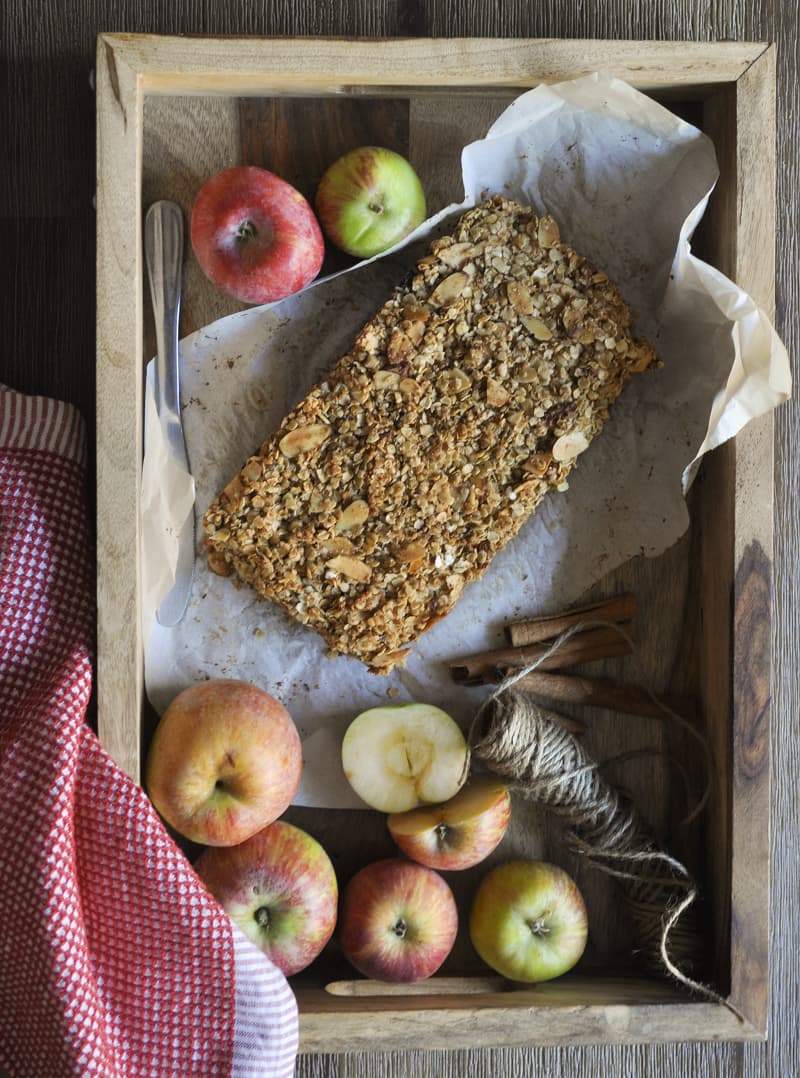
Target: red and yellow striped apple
<point x="224" y="761"/>
<point x="460" y="833"/>
<point x="398" y="921"/>
<point x="280" y="888"/>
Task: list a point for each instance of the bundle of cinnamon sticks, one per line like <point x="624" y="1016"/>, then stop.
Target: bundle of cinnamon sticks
<point x="600" y="630"/>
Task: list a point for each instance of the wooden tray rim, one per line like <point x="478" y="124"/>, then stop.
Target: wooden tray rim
<point x="129" y="66"/>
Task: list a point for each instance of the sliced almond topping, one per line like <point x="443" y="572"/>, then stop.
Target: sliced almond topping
<point x="454" y="381"/>
<point x="252" y="471"/>
<point x="350" y="567"/>
<point x="411" y="552"/>
<point x="448" y="290"/>
<point x="304" y="439"/>
<point x="337" y="544"/>
<point x="527" y="486"/>
<point x="519" y="297"/>
<point x="398" y="345"/>
<point x="549" y="235"/>
<point x="458" y="253"/>
<point x="441" y="491"/>
<point x="569" y="446"/>
<point x="412" y="312"/>
<point x="410" y="389"/>
<point x="415" y="331"/>
<point x="386" y="379"/>
<point x="353" y="516"/>
<point x="537" y="464"/>
<point x="390" y="658"/>
<point x="528" y="372"/>
<point x="218" y="564"/>
<point x="496" y="393"/>
<point x="540" y="330"/>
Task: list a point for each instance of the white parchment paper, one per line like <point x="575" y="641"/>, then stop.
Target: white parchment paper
<point x="628" y="182"/>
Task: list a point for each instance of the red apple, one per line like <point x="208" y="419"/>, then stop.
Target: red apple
<point x="368" y="200"/>
<point x="280" y="888"/>
<point x="398" y="921"/>
<point x="224" y="762"/>
<point x="255" y="236"/>
<point x="461" y="832"/>
<point x="528" y="921"/>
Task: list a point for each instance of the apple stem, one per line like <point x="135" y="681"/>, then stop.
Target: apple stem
<point x="400" y="928"/>
<point x="262" y="917"/>
<point x="246" y="231"/>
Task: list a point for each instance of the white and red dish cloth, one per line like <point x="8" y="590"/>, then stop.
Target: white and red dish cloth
<point x="114" y="959"/>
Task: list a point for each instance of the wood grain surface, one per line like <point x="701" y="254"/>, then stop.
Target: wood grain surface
<point x="47" y="305"/>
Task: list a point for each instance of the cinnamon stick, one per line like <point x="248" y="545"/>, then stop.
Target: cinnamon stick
<point x="604" y="693"/>
<point x="588" y="646"/>
<point x="619" y="608"/>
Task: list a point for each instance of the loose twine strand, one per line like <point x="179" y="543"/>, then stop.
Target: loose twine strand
<point x="533" y="752"/>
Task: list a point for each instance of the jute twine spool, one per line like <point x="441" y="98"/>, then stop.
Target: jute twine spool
<point x="531" y="750"/>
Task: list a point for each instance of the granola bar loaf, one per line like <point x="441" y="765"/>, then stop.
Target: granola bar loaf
<point x="468" y="397"/>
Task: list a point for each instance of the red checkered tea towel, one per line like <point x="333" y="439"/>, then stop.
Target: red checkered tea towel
<point x="114" y="959"/>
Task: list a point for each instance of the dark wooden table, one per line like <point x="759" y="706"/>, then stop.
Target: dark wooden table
<point x="47" y="306"/>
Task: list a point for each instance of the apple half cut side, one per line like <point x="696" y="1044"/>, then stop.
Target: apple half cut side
<point x="528" y="921"/>
<point x="280" y="888"/>
<point x="460" y="833"/>
<point x="404" y="755"/>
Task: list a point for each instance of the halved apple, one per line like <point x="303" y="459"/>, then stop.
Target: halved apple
<point x="404" y="755"/>
<point x="460" y="833"/>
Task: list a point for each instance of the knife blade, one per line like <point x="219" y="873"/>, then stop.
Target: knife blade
<point x="163" y="243"/>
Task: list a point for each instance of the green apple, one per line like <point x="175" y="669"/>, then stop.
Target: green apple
<point x="528" y="921"/>
<point x="404" y="755"/>
<point x="368" y="200"/>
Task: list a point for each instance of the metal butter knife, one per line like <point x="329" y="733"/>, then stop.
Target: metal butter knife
<point x="163" y="244"/>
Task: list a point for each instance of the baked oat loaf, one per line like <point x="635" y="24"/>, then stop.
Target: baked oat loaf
<point x="467" y="398"/>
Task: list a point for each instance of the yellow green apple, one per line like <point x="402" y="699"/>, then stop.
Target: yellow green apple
<point x="368" y="200"/>
<point x="528" y="921"/>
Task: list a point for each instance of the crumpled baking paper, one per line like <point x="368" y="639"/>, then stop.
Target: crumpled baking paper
<point x="628" y="182"/>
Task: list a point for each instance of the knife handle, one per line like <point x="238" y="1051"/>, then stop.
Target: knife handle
<point x="163" y="244"/>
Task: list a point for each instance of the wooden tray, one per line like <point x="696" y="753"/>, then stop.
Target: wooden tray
<point x="170" y="112"/>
